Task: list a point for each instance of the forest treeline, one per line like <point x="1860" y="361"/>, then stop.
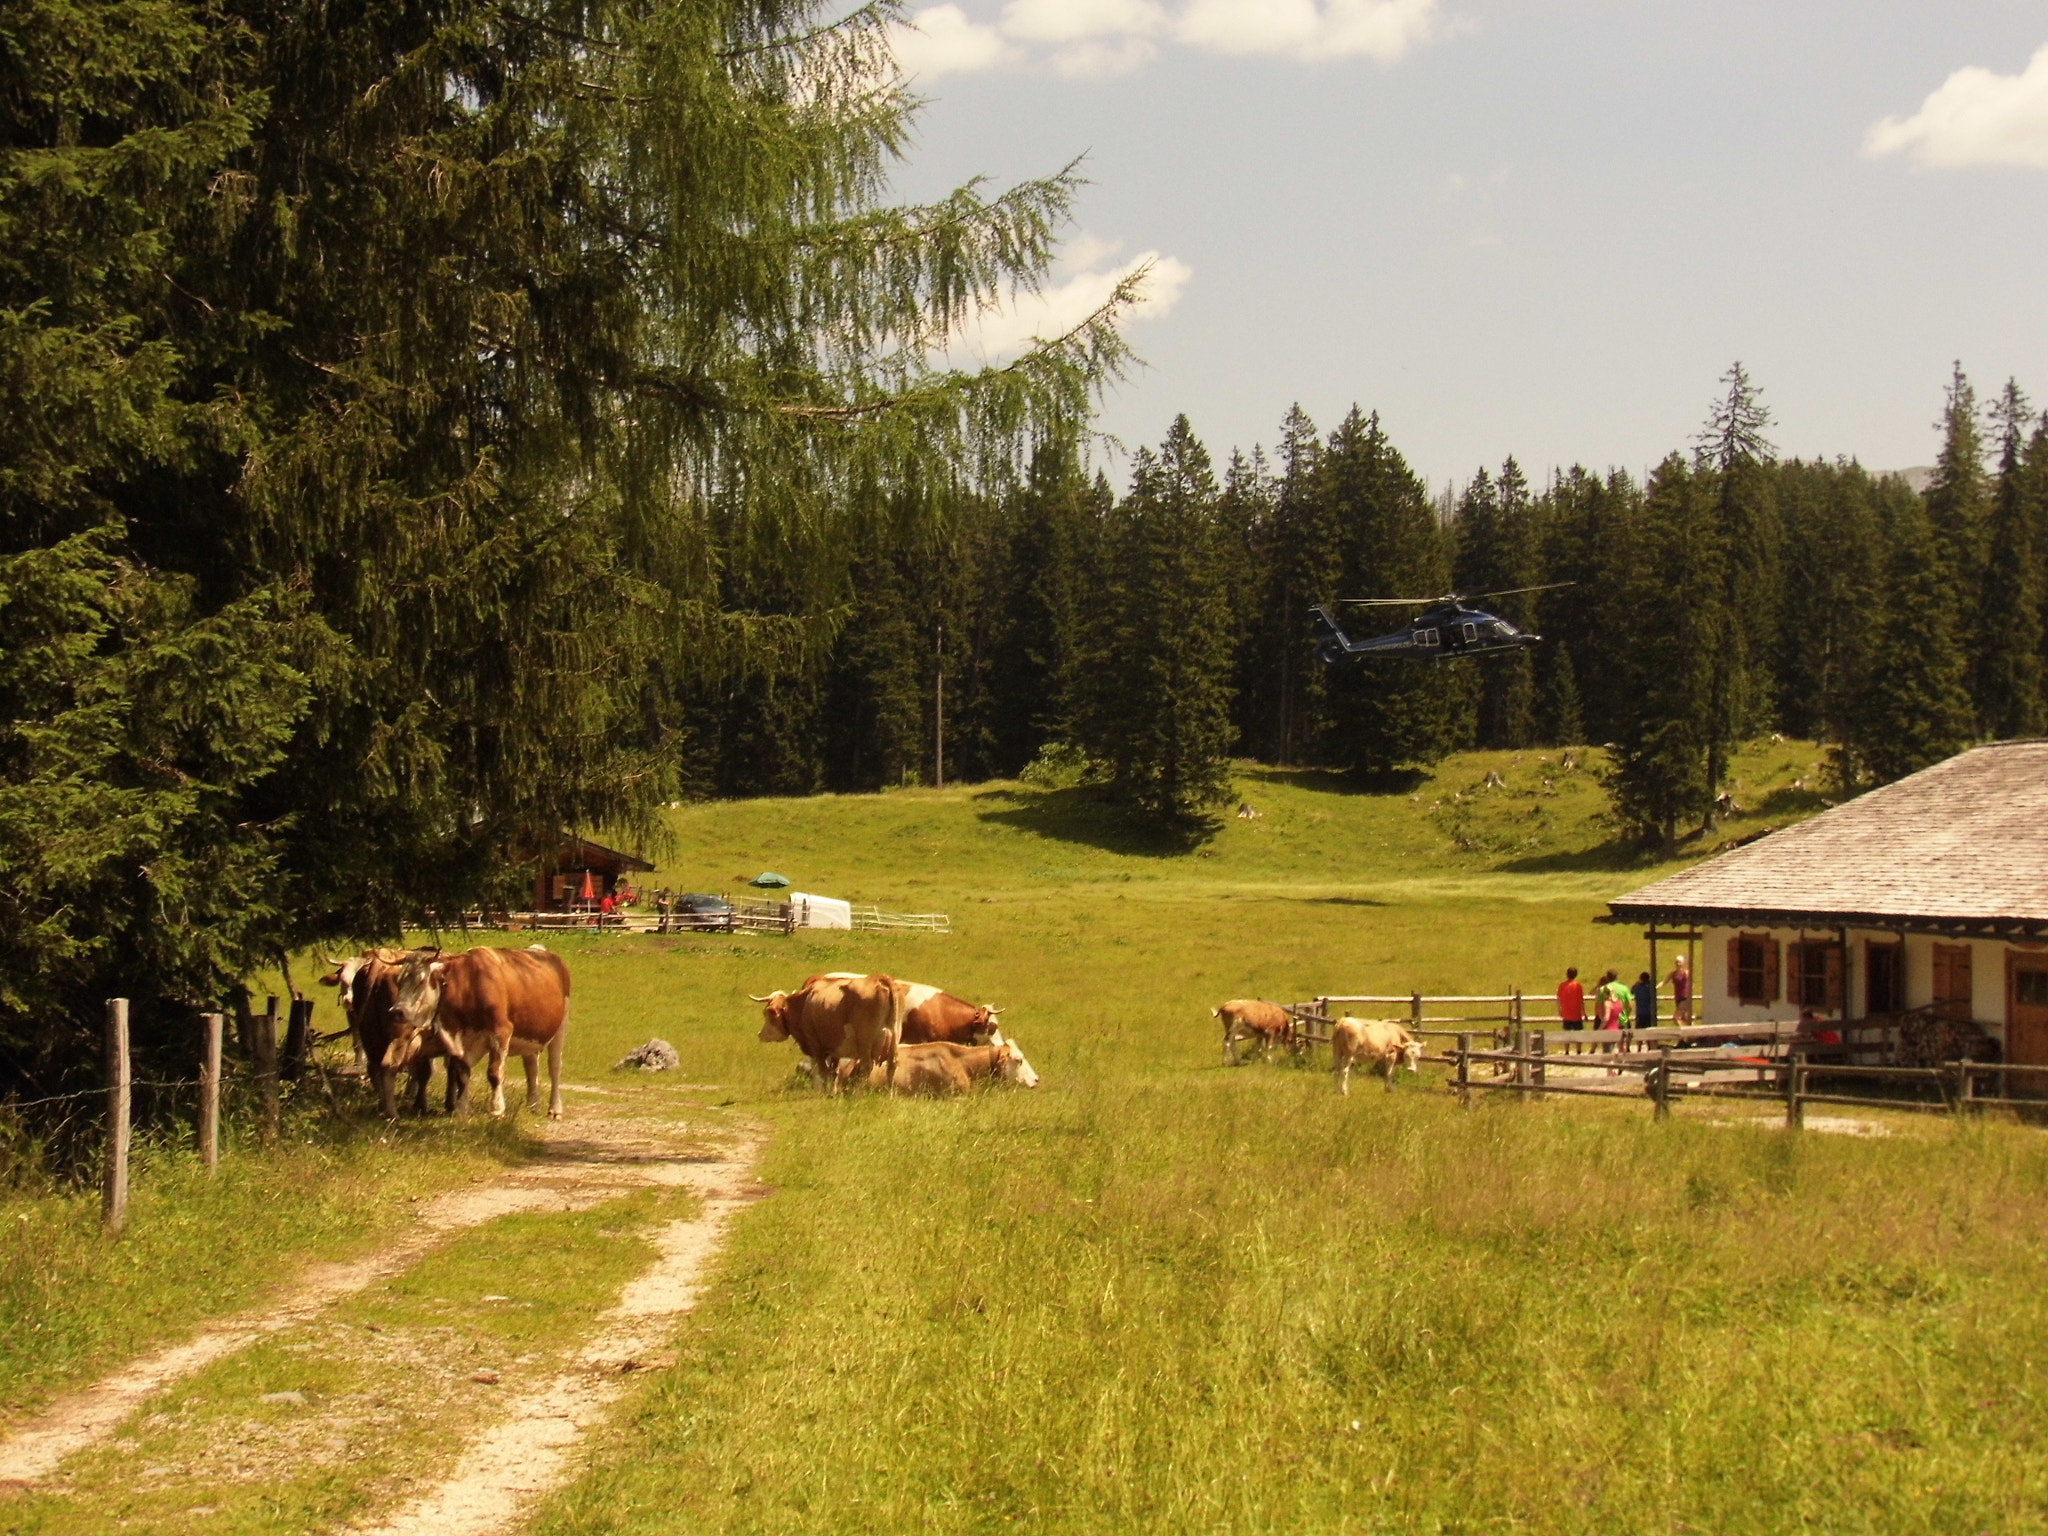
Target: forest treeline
<point x="1153" y="630"/>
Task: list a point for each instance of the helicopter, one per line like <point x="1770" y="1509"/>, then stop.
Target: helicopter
<point x="1447" y="627"/>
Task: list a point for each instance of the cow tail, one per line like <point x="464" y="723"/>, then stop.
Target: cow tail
<point x="896" y="1011"/>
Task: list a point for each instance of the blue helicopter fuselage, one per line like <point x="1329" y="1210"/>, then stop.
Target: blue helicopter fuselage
<point x="1440" y="632"/>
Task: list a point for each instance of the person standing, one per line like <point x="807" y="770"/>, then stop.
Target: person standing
<point x="1681" y="993"/>
<point x="1571" y="1004"/>
<point x="1644" y="997"/>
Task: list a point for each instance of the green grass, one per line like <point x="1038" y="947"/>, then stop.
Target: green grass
<point x="74" y="1301"/>
<point x="1156" y="1294"/>
<point x="387" y="1380"/>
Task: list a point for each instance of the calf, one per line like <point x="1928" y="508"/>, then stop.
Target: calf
<point x="940" y="1067"/>
<point x="1248" y="1019"/>
<point x="1383" y="1044"/>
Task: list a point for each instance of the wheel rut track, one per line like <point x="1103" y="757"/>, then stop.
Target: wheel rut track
<point x="530" y="1449"/>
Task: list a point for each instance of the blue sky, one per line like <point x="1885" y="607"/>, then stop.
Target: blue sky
<point x="1542" y="229"/>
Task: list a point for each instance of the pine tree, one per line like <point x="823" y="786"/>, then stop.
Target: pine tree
<point x="1833" y="558"/>
<point x="1734" y="450"/>
<point x="1497" y="551"/>
<point x="1959" y="506"/>
<point x="1303" y="560"/>
<point x="1589" y="530"/>
<point x="1385" y="718"/>
<point x="1916" y="707"/>
<point x="1157" y="698"/>
<point x="1244" y="517"/>
<point x="2010" y="639"/>
<point x="1664" y="762"/>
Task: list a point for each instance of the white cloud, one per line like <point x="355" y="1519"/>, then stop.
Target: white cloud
<point x="942" y="40"/>
<point x="1067" y="21"/>
<point x="1382" y="30"/>
<point x="1092" y="273"/>
<point x="1974" y="117"/>
<point x="1101" y="58"/>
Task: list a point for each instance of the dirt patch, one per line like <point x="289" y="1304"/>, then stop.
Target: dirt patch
<point x="589" y="1158"/>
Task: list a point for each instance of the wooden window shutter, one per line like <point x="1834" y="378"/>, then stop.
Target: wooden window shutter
<point x="1735" y="967"/>
<point x="1770" y="970"/>
<point x="1795" y="973"/>
<point x="1834" y="962"/>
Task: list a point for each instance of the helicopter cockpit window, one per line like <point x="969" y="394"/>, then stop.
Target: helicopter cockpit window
<point x="1428" y="637"/>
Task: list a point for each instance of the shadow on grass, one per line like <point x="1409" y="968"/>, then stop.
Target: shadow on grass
<point x="1083" y="815"/>
<point x="1338" y="781"/>
<point x="1617" y="854"/>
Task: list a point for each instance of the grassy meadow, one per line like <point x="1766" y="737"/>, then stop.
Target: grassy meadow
<point x="1160" y="1294"/>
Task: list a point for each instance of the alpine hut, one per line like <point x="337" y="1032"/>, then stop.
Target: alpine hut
<point x="1913" y="918"/>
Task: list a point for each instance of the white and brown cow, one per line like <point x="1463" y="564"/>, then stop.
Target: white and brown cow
<point x="829" y="1017"/>
<point x="1246" y="1018"/>
<point x="931" y="1013"/>
<point x="368" y="984"/>
<point x="1372" y="1044"/>
<point x="486" y="1002"/>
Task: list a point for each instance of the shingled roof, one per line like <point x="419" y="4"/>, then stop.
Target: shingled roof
<point x="1959" y="847"/>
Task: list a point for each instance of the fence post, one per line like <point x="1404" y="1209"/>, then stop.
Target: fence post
<point x="1542" y="1068"/>
<point x="1795" y="1085"/>
<point x="1415" y="1014"/>
<point x="265" y="1042"/>
<point x="1966" y="1090"/>
<point x="209" y="1092"/>
<point x="1662" y="1078"/>
<point x="114" y="1202"/>
<point x="298" y="1040"/>
<point x="1464" y="1063"/>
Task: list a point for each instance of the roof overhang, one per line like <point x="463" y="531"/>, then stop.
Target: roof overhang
<point x="1889" y="922"/>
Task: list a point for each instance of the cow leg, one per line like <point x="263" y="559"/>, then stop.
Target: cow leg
<point x="497" y="1069"/>
<point x="420" y="1071"/>
<point x="1391" y="1063"/>
<point x="385" y="1081"/>
<point x="555" y="1074"/>
<point x="532" y="1081"/>
<point x="1229" y="1045"/>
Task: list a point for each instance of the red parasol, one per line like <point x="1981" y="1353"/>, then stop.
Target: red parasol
<point x="589" y="886"/>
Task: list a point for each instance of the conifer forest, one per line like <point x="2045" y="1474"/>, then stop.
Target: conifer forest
<point x="424" y="429"/>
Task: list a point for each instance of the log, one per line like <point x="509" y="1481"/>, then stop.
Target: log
<point x="209" y="1092"/>
<point x="120" y="1086"/>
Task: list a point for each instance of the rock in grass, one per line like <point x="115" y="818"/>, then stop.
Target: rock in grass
<point x="296" y="1399"/>
<point x="654" y="1056"/>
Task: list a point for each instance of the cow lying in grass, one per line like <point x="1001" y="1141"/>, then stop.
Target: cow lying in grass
<point x="1372" y="1045"/>
<point x="1247" y="1018"/>
<point x="944" y="1068"/>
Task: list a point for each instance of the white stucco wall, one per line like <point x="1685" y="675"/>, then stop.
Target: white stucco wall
<point x="1987" y="976"/>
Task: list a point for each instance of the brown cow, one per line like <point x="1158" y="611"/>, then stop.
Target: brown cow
<point x="1378" y="1043"/>
<point x="487" y="1001"/>
<point x="1247" y="1018"/>
<point x="369" y="996"/>
<point x="828" y="1014"/>
<point x="940" y="1067"/>
<point x="930" y="1014"/>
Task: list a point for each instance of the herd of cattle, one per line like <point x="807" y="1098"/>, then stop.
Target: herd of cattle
<point x="1382" y="1045"/>
<point x="408" y="1007"/>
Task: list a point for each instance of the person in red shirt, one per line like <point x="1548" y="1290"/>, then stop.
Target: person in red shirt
<point x="1571" y="1004"/>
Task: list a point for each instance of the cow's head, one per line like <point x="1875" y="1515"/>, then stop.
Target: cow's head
<point x="416" y="1007"/>
<point x="1015" y="1069"/>
<point x="985" y="1026"/>
<point x="774" y="1016"/>
<point x="1411" y="1052"/>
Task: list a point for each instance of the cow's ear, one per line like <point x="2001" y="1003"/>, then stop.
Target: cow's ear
<point x="437" y="970"/>
<point x="331" y="981"/>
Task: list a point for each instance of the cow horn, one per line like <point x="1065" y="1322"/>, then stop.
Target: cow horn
<point x="762" y="998"/>
<point x="992" y="1012"/>
<point x="327" y="959"/>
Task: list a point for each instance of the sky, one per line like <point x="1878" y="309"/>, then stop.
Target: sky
<point x="1542" y="228"/>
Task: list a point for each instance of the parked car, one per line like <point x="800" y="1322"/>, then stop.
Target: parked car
<point x="695" y="909"/>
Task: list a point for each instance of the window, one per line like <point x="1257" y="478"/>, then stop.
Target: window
<point x="1429" y="637"/>
<point x="1813" y="975"/>
<point x="2030" y="988"/>
<point x="1471" y="633"/>
<point x="1753" y="969"/>
<point x="1884" y="978"/>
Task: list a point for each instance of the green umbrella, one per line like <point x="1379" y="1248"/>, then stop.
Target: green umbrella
<point x="768" y="880"/>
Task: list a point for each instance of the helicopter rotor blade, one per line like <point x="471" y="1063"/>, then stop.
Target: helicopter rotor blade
<point x="1387" y="602"/>
<point x="1548" y="586"/>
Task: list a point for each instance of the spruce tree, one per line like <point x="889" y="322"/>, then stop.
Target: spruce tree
<point x="1678" y="633"/>
<point x="1959" y="507"/>
<point x="2010" y="639"/>
<point x="1497" y="551"/>
<point x="1387" y="718"/>
<point x="1916" y="707"/>
<point x="1733" y="449"/>
<point x="1156" y="706"/>
<point x="1833" y="559"/>
<point x="1303" y="563"/>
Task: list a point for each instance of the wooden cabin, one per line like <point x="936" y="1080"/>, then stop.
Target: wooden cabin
<point x="1912" y="919"/>
<point x="558" y="884"/>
